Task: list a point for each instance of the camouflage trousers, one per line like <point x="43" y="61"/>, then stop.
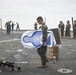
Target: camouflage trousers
<point x="42" y="52"/>
<point x="74" y="32"/>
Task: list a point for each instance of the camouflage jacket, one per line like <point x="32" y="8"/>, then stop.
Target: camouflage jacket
<point x="44" y="29"/>
<point x="68" y="26"/>
<point x="61" y="26"/>
<point x="7" y="25"/>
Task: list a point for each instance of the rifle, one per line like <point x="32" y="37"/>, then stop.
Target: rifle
<point x="9" y="64"/>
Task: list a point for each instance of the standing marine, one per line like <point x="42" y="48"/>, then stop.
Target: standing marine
<point x="61" y="26"/>
<point x="74" y="29"/>
<point x="35" y="26"/>
<point x="8" y="27"/>
<point x="68" y="26"/>
<point x="12" y="26"/>
<point x="17" y="28"/>
<point x="43" y="49"/>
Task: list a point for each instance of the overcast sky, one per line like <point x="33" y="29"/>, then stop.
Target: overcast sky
<point x="25" y="12"/>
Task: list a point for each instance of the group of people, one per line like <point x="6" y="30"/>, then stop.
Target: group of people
<point x="43" y="49"/>
<point x="10" y="26"/>
<point x="67" y="29"/>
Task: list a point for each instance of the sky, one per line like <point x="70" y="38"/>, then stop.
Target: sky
<point x="25" y="12"/>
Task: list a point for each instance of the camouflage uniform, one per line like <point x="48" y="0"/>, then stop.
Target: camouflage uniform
<point x="61" y="26"/>
<point x="74" y="29"/>
<point x="42" y="50"/>
<point x="12" y="26"/>
<point x="35" y="26"/>
<point x="8" y="27"/>
<point x="17" y="28"/>
<point x="68" y="26"/>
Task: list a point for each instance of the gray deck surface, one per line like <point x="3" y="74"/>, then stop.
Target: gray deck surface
<point x="12" y="50"/>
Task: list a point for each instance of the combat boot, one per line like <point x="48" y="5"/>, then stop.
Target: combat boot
<point x="41" y="66"/>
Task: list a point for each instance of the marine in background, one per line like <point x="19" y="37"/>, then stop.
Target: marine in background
<point x="68" y="26"/>
<point x="61" y="26"/>
<point x="8" y="27"/>
<point x="74" y="29"/>
<point x="35" y="26"/>
<point x="17" y="28"/>
<point x="12" y="26"/>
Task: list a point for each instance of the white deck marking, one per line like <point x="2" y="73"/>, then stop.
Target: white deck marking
<point x="75" y="62"/>
<point x="15" y="50"/>
<point x="67" y="45"/>
<point x="9" y="51"/>
<point x="2" y="57"/>
<point x="17" y="32"/>
<point x="9" y="40"/>
<point x="0" y="71"/>
<point x="68" y="53"/>
<point x="24" y="62"/>
<point x="25" y="53"/>
<point x="73" y="50"/>
<point x="19" y="50"/>
<point x="64" y="70"/>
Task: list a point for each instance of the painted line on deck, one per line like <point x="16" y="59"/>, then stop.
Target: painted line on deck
<point x="75" y="62"/>
<point x="25" y="53"/>
<point x="2" y="57"/>
<point x="68" y="53"/>
<point x="17" y="32"/>
<point x="19" y="50"/>
<point x="9" y="51"/>
<point x="73" y="50"/>
<point x="10" y="40"/>
<point x="16" y="50"/>
<point x="67" y="45"/>
<point x="0" y="71"/>
<point x="23" y="62"/>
